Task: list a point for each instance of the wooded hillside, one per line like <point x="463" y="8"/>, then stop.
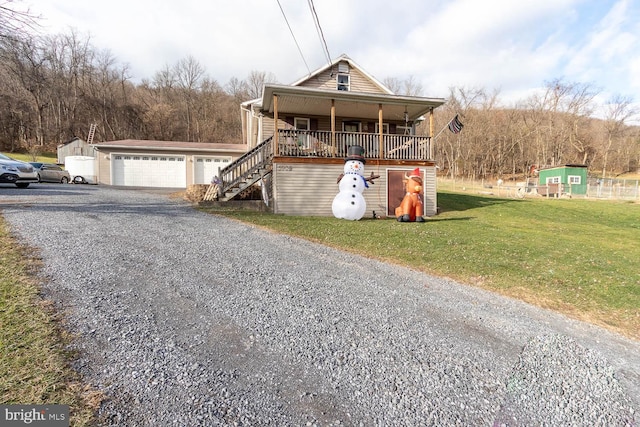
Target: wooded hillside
<point x="53" y="88"/>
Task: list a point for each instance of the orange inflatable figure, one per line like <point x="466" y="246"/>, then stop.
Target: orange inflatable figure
<point x="411" y="208"/>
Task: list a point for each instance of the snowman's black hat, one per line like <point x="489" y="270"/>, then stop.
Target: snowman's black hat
<point x="355" y="152"/>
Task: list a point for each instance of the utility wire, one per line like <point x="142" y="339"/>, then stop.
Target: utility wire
<point x="319" y="28"/>
<point x="294" y="37"/>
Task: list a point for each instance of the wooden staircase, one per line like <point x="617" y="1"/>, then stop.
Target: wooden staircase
<point x="246" y="171"/>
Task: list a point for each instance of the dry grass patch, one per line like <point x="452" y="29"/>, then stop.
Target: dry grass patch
<point x="34" y="361"/>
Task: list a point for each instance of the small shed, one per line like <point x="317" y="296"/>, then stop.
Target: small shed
<point x="567" y="179"/>
<point x="74" y="147"/>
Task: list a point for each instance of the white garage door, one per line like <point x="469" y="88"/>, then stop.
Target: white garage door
<point x="149" y="171"/>
<point x="207" y="167"/>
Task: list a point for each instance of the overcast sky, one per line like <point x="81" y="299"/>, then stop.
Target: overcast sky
<point x="512" y="46"/>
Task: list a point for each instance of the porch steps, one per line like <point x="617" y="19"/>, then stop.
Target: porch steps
<point x="249" y="180"/>
<point x="242" y="174"/>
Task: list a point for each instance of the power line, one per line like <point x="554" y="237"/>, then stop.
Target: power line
<point x="319" y="29"/>
<point x="294" y="37"/>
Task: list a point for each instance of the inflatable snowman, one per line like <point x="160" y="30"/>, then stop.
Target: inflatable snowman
<point x="349" y="202"/>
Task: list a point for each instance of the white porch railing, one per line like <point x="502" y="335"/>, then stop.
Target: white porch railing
<point x="303" y="143"/>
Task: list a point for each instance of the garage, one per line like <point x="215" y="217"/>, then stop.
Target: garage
<point x="149" y="171"/>
<point x="207" y="167"/>
<point x="169" y="164"/>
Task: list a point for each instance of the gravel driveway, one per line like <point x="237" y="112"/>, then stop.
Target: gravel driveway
<point x="190" y="319"/>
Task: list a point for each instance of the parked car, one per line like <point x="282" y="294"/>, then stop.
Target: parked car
<point x="16" y="172"/>
<point x="48" y="172"/>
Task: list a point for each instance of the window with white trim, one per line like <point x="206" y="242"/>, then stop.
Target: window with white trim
<point x="553" y="180"/>
<point x="342" y="81"/>
<point x="575" y="179"/>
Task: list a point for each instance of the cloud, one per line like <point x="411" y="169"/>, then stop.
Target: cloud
<point x="495" y="44"/>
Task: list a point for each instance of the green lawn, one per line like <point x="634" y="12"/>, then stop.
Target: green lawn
<point x="580" y="257"/>
<point x="44" y="157"/>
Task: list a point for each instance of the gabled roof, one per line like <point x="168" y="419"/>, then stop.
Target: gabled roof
<point x="352" y="64"/>
<point x="298" y="98"/>
<point x="256" y="102"/>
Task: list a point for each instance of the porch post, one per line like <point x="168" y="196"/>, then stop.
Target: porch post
<point x="431" y="134"/>
<point x="333" y="127"/>
<point x="275" y="125"/>
<point x="380" y="133"/>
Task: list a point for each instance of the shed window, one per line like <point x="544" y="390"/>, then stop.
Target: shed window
<point x="343" y="82"/>
<point x="553" y="180"/>
<point x="574" y="179"/>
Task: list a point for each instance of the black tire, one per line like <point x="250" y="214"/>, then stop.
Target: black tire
<point x="22" y="184"/>
<point x="64" y="180"/>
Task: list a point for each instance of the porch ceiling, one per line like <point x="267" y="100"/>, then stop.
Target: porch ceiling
<point x="317" y="102"/>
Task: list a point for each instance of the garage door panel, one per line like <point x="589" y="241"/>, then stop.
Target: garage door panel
<point x="208" y="167"/>
<point x="149" y="171"/>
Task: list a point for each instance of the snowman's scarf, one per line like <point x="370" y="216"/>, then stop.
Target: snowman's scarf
<point x="366" y="184"/>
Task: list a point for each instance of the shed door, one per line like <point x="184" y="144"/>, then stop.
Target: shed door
<point x="207" y="167"/>
<point x="149" y="171"/>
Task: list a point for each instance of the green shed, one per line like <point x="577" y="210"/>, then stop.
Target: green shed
<point x="567" y="179"/>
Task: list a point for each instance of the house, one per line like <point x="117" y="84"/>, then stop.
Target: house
<point x="566" y="179"/>
<point x="161" y="163"/>
<point x="298" y="136"/>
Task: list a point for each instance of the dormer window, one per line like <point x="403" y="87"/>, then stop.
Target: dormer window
<point x="343" y="82"/>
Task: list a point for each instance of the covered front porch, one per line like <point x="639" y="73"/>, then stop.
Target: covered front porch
<point x="313" y="122"/>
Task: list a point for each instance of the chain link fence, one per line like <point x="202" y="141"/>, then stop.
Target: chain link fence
<point x="609" y="188"/>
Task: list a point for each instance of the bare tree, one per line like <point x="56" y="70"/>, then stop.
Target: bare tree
<point x="188" y="74"/>
<point x="26" y="63"/>
<point x="15" y="23"/>
<point x="238" y="89"/>
<point x="257" y="80"/>
<point x="409" y="86"/>
<point x="618" y="110"/>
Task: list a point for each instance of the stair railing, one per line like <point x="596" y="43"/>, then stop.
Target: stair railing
<point x="259" y="157"/>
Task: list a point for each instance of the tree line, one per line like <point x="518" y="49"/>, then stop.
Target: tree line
<point x="52" y="88"/>
<point x="556" y="127"/>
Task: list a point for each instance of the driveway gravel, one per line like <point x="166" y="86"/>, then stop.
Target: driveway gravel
<point x="189" y="319"/>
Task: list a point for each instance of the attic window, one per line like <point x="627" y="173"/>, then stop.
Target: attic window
<point x="343" y="82"/>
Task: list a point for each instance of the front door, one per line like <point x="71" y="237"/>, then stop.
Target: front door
<point x="350" y="137"/>
<point x="303" y="124"/>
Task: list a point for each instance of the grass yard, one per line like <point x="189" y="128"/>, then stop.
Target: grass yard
<point x="579" y="257"/>
<point x="33" y="361"/>
<point x="44" y="157"/>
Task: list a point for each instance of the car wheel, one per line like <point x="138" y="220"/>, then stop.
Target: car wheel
<point x="64" y="180"/>
<point x="22" y="184"/>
